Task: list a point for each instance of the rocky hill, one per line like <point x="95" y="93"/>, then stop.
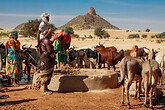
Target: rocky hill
<point x="89" y="21"/>
<point x="19" y="26"/>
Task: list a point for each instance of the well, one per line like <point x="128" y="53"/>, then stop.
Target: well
<point x="84" y="80"/>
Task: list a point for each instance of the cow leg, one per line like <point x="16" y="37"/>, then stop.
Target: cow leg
<point x="154" y="88"/>
<point x="28" y="70"/>
<point x="114" y="67"/>
<point x="108" y="64"/>
<point x="25" y="69"/>
<point x="104" y="65"/>
<point x="145" y="80"/>
<point x="139" y="90"/>
<point x="91" y="65"/>
<point x="151" y="91"/>
<point x="135" y="89"/>
<point x="128" y="84"/>
<point x="86" y="62"/>
<point x="123" y="90"/>
<point x="162" y="72"/>
<point x="127" y="91"/>
<point x="155" y="93"/>
<point x="78" y="62"/>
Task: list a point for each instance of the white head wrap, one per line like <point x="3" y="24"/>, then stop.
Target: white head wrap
<point x="43" y="17"/>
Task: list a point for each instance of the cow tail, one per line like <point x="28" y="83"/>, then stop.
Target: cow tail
<point x="150" y="74"/>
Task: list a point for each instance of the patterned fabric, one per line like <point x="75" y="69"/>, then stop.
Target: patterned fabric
<point x="7" y="64"/>
<point x="61" y="56"/>
<point x="64" y="38"/>
<point x="15" y="61"/>
<point x="43" y="47"/>
<point x="7" y="68"/>
<point x="46" y="76"/>
<point x="6" y="45"/>
<point x="47" y="62"/>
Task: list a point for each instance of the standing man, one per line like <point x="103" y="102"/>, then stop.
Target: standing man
<point x="42" y="27"/>
<point x="62" y="43"/>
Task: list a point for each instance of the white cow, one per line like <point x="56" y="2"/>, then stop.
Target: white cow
<point x="160" y="58"/>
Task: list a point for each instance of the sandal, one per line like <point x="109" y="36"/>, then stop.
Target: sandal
<point x="16" y="85"/>
<point x="47" y="92"/>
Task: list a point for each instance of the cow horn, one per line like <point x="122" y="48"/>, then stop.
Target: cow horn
<point x="146" y="50"/>
<point x="103" y="43"/>
<point x="23" y="46"/>
<point x="30" y="46"/>
<point x="99" y="43"/>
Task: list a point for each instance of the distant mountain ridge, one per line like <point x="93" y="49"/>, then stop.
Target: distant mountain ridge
<point x="19" y="27"/>
<point x="89" y="21"/>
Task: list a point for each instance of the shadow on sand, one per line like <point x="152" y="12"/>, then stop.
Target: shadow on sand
<point x="12" y="90"/>
<point x="16" y="102"/>
<point x="72" y="84"/>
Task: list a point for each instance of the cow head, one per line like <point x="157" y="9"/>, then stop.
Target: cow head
<point x="100" y="46"/>
<point x="2" y="45"/>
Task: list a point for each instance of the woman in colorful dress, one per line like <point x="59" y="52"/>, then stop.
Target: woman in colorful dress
<point x="62" y="42"/>
<point x="47" y="59"/>
<point x="14" y="59"/>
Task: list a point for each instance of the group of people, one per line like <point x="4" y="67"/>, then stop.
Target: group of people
<point x="49" y="50"/>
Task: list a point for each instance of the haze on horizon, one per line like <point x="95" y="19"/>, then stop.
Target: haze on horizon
<point x="124" y="14"/>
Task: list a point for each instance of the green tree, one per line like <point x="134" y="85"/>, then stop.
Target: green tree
<point x="106" y="35"/>
<point x="162" y="35"/>
<point x="31" y="27"/>
<point x="99" y="32"/>
<point x="131" y="36"/>
<point x="144" y="36"/>
<point x="148" y="30"/>
<point x="52" y="27"/>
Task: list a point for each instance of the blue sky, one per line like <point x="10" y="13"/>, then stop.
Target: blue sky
<point x="125" y="14"/>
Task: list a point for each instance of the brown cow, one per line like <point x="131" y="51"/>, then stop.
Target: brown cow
<point x="109" y="56"/>
<point x="101" y="46"/>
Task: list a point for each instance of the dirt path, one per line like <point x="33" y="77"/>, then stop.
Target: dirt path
<point x="25" y="99"/>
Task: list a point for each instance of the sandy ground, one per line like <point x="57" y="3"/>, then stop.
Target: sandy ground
<point x="25" y="99"/>
<point x="91" y="43"/>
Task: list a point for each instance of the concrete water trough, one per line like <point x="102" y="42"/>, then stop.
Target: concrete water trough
<point x="84" y="80"/>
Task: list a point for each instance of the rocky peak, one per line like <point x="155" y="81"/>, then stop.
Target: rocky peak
<point x="91" y="11"/>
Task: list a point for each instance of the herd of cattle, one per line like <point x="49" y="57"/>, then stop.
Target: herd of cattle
<point x="148" y="68"/>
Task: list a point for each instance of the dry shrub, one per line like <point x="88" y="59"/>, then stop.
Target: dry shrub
<point x="159" y="41"/>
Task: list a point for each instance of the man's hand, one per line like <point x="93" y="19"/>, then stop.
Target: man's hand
<point x="67" y="51"/>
